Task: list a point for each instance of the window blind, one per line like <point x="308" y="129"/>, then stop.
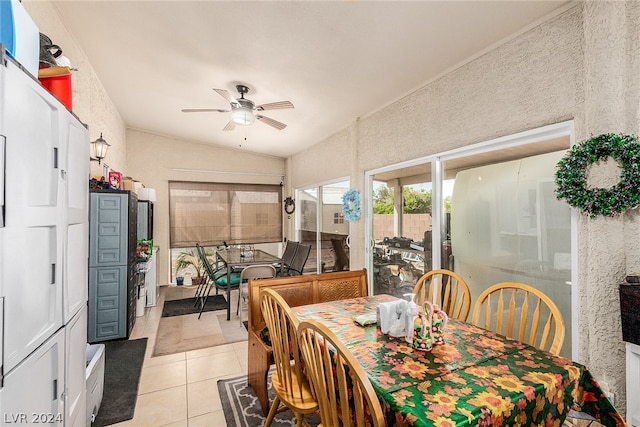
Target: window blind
<point x="213" y="213"/>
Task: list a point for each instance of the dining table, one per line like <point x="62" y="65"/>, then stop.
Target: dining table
<point x="236" y="259"/>
<point x="476" y="377"/>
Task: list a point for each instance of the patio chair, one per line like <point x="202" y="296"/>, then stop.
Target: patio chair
<point x="287" y="257"/>
<point x="216" y="277"/>
<point x="539" y="322"/>
<point x="341" y="386"/>
<point x="297" y="265"/>
<point x="259" y="271"/>
<point x="202" y="254"/>
<point x="451" y="293"/>
<point x="289" y="384"/>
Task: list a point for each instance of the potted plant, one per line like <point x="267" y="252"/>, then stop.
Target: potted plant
<point x="189" y="260"/>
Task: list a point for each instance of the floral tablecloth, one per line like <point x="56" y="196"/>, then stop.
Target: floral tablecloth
<point x="476" y="378"/>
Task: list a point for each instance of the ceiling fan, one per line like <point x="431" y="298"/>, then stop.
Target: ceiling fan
<point x="244" y="111"/>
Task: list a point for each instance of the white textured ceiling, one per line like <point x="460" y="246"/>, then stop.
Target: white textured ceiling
<point x="335" y="61"/>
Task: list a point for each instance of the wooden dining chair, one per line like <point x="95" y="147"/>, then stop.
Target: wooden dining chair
<point x="451" y="293"/>
<point x="290" y="385"/>
<point x="521" y="312"/>
<point x="341" y="386"/>
<point x="258" y="271"/>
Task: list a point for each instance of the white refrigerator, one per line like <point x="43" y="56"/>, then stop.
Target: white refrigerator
<point x="44" y="173"/>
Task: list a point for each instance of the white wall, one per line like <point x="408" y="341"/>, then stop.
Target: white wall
<point x="91" y="103"/>
<point x="153" y="160"/>
<point x="582" y="66"/>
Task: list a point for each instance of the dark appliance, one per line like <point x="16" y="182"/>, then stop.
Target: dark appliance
<point x="145" y="220"/>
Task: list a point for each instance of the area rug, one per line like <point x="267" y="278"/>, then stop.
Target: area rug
<point x="242" y="409"/>
<point x="180" y="307"/>
<point x="185" y="333"/>
<point x="122" y="367"/>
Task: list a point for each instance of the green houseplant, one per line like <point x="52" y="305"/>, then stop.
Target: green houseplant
<point x="188" y="260"/>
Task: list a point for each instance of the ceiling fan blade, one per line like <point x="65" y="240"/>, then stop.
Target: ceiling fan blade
<point x="226" y="95"/>
<point x="276" y="124"/>
<point x="203" y="110"/>
<point x="229" y="126"/>
<point x="280" y="105"/>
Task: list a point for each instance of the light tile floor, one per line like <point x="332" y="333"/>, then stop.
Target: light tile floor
<point x="180" y="390"/>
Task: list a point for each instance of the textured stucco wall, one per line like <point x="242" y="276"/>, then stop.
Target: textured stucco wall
<point x="332" y="159"/>
<point x="533" y="80"/>
<point x="581" y="65"/>
<point x="607" y="246"/>
<point x="91" y="103"/>
<point x="153" y="158"/>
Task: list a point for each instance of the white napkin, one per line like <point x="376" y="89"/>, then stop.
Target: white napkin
<point x="392" y="317"/>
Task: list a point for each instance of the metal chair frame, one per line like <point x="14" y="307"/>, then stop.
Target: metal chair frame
<point x="213" y="275"/>
<point x="297" y="265"/>
<point x="288" y="256"/>
<point x="252" y="272"/>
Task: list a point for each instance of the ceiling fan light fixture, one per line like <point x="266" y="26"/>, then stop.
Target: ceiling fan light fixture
<point x="243" y="116"/>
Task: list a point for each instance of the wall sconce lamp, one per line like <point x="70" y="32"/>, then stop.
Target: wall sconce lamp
<point x="99" y="148"/>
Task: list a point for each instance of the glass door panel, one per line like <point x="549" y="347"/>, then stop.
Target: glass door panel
<point x="507" y="226"/>
<point x="402" y="227"/>
<point x="308" y="228"/>
<point x="334" y="252"/>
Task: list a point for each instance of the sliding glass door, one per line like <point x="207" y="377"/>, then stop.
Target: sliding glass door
<point x="507" y="226"/>
<point x="322" y="225"/>
<point x="493" y="218"/>
<point x="401" y="228"/>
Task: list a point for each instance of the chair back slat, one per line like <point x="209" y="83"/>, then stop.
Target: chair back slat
<point x="512" y="315"/>
<point x="535" y="318"/>
<point x="501" y="310"/>
<point x="529" y="311"/>
<point x="546" y="332"/>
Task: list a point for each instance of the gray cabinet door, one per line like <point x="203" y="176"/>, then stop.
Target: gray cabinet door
<point x="108" y="229"/>
<point x="107" y="303"/>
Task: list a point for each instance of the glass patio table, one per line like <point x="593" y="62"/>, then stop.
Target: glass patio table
<point x="235" y="259"/>
<point x="476" y="377"/>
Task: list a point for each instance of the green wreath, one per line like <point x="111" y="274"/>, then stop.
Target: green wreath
<point x="571" y="175"/>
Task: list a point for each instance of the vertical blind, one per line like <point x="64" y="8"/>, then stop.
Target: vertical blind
<point x="213" y="213"/>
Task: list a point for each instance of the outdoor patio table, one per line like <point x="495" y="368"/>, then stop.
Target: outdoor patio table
<point x="476" y="378"/>
<point x="236" y="259"/>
